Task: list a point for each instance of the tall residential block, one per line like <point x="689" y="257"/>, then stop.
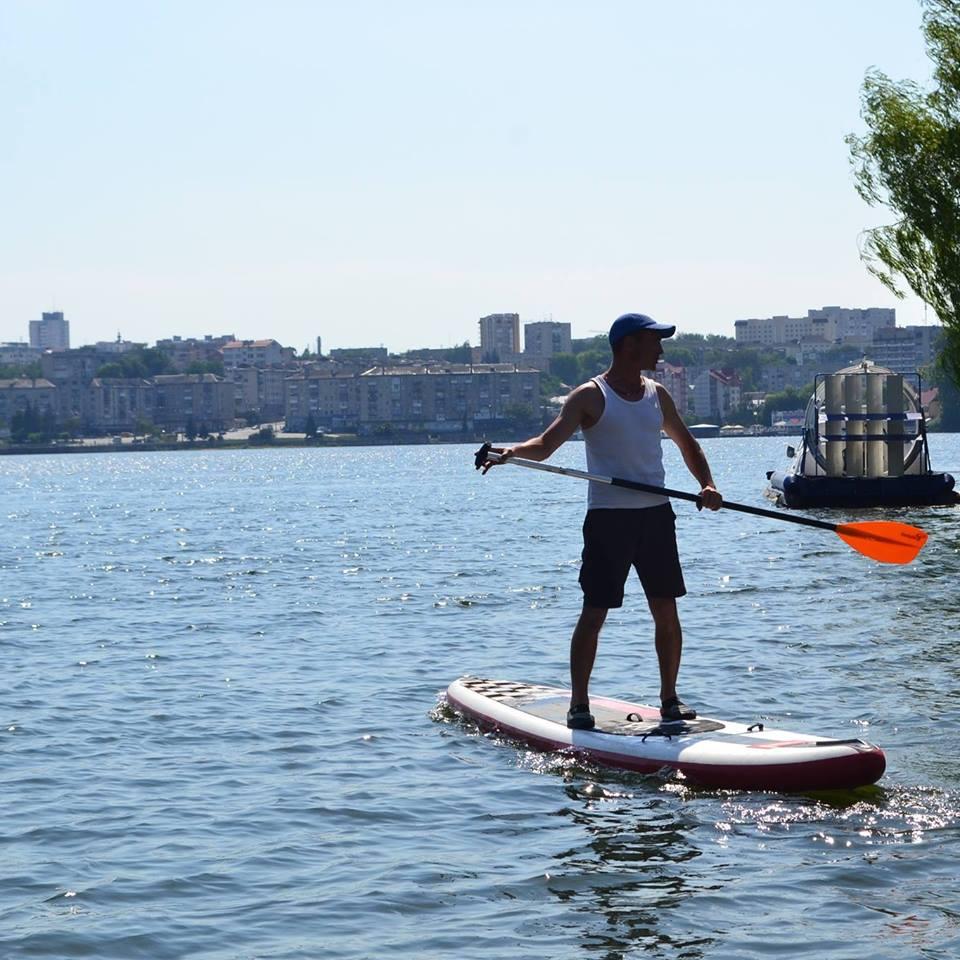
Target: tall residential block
<point x="829" y="324"/>
<point x="51" y="332"/>
<point x="546" y="338"/>
<point x="500" y="336"/>
<point x="906" y="349"/>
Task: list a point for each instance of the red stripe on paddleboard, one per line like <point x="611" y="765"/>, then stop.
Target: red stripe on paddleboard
<point x="863" y="767"/>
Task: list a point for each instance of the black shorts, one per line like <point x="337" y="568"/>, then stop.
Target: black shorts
<point x="615" y="540"/>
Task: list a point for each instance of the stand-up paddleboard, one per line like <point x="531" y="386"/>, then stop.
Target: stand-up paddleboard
<point x="630" y="736"/>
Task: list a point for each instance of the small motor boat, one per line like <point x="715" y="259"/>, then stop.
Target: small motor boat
<point x="864" y="445"/>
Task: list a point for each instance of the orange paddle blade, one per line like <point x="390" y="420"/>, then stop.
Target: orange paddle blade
<point x="884" y="540"/>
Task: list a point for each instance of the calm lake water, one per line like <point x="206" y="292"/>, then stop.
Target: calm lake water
<point x="222" y="734"/>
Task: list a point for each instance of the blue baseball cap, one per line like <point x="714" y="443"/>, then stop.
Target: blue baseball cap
<point x="632" y="322"/>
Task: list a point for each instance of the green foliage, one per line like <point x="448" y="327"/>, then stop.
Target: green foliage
<point x="31" y="426"/>
<point x="949" y="420"/>
<point x="789" y="399"/>
<point x="593" y="363"/>
<point x="599" y="342"/>
<point x="713" y="350"/>
<point x="591" y="357"/>
<point x="141" y="362"/>
<point x="519" y="413"/>
<point x="742" y="416"/>
<point x="145" y="427"/>
<point x="910" y="162"/>
<point x="460" y="354"/>
<point x="566" y="368"/>
<point x="576" y="368"/>
<point x="310" y="429"/>
<point x="206" y="366"/>
<point x="550" y="386"/>
<point x="29" y="371"/>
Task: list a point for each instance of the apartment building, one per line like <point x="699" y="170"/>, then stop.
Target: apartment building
<point x="715" y="394"/>
<point x="18" y="394"/>
<point x="546" y="338"/>
<point x="255" y="353"/>
<point x="271" y="385"/>
<point x="18" y="354"/>
<point x="184" y="351"/>
<point x="172" y="402"/>
<point x="333" y="400"/>
<point x="781" y="331"/>
<point x="202" y="400"/>
<point x="72" y="371"/>
<point x="905" y="349"/>
<point x="500" y="336"/>
<point x="447" y="398"/>
<point x="856" y="325"/>
<point x="827" y="325"/>
<point x="674" y="378"/>
<point x="259" y="391"/>
<point x="118" y="404"/>
<point x="50" y="332"/>
<point x="416" y="398"/>
<point x="118" y="346"/>
<point x="246" y="382"/>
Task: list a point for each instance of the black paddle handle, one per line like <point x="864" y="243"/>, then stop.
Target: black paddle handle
<point x="727" y="505"/>
<point x="481" y="457"/>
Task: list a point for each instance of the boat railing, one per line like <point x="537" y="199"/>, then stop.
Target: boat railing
<point x="872" y="425"/>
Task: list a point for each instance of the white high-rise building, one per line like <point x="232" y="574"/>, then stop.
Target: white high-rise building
<point x="831" y="324"/>
<point x="51" y="332"/>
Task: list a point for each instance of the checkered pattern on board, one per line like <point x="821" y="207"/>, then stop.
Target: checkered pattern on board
<point x="504" y="689"/>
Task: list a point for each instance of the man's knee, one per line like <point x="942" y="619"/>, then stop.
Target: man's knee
<point x="592" y="618"/>
<point x="664" y="611"/>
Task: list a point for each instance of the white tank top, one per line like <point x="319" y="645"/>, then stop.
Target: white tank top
<point x="625" y="443"/>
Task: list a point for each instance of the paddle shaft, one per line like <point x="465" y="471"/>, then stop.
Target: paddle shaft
<point x="664" y="491"/>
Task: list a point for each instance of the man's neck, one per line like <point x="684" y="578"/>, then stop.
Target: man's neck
<point x="627" y="380"/>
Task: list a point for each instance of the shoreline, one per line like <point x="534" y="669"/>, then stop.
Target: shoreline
<point x="341" y="440"/>
<point x="294" y="441"/>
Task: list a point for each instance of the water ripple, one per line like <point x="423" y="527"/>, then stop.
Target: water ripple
<point x="221" y="732"/>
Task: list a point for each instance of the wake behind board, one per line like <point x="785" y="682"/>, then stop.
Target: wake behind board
<point x="630" y="736"/>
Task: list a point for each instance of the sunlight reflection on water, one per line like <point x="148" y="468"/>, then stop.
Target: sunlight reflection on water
<point x="222" y="739"/>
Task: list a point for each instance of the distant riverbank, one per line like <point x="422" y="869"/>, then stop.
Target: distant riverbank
<point x="277" y="439"/>
<point x="97" y="445"/>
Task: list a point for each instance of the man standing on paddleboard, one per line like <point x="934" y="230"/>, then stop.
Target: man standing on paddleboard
<point x="621" y="414"/>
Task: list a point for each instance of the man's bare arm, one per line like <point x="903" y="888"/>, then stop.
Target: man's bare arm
<point x="693" y="455"/>
<point x="569" y="420"/>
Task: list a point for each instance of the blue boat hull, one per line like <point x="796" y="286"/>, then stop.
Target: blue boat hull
<point x="931" y="489"/>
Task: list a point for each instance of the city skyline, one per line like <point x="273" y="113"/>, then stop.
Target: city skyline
<point x="372" y="175"/>
<point x="805" y="334"/>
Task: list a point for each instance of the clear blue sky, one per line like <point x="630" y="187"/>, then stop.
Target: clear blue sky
<point x="387" y="172"/>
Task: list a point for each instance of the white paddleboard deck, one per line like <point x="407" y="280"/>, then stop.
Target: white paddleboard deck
<point x="631" y="736"/>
